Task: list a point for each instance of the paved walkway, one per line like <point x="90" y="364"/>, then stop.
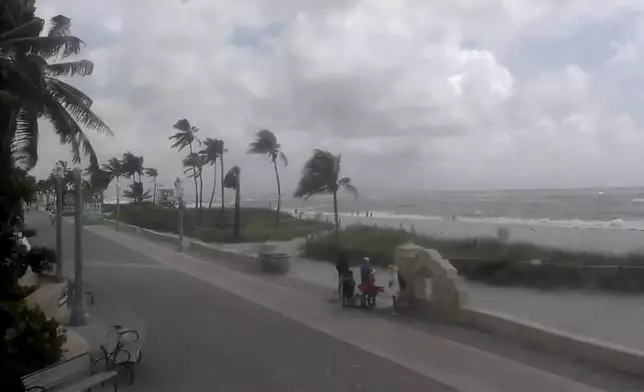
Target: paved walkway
<point x="211" y="328"/>
<point x="613" y="318"/>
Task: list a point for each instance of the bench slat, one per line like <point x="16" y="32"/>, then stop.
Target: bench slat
<point x="57" y="373"/>
<point x="90" y="382"/>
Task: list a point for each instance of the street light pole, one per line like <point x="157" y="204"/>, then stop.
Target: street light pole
<point x="59" y="222"/>
<point x="179" y="190"/>
<point x="78" y="315"/>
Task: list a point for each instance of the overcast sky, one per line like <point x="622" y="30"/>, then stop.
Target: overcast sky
<point x="441" y="94"/>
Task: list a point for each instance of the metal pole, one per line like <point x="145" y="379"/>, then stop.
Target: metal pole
<point x="179" y="191"/>
<point x="59" y="228"/>
<point x="118" y="203"/>
<point x="78" y="315"/>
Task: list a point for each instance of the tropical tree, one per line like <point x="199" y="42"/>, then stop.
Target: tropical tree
<point x="186" y="137"/>
<point x="154" y="173"/>
<point x="30" y="88"/>
<point x="193" y="164"/>
<point x="232" y="181"/>
<point x="132" y="166"/>
<point x="210" y="154"/>
<point x="266" y="144"/>
<point x="222" y="150"/>
<point x="321" y="175"/>
<point x="99" y="181"/>
<point x="114" y="167"/>
<point x="136" y="192"/>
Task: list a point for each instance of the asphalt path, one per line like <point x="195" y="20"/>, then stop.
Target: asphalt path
<point x="201" y="338"/>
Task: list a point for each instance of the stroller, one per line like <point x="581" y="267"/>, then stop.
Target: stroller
<point x="365" y="295"/>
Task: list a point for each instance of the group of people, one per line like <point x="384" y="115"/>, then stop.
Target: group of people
<point x="347" y="285"/>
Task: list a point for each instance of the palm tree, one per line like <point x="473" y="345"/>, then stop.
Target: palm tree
<point x="266" y="144"/>
<point x="30" y="88"/>
<point x="99" y="181"/>
<point x="222" y="150"/>
<point x="114" y="168"/>
<point x="137" y="193"/>
<point x="210" y="153"/>
<point x="185" y="137"/>
<point x="232" y="180"/>
<point x="321" y="175"/>
<point x="194" y="162"/>
<point x="132" y="166"/>
<point x="154" y="173"/>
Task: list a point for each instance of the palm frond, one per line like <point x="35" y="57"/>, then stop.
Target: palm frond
<point x="283" y="158"/>
<point x="182" y="125"/>
<point x="73" y="68"/>
<point x="63" y="46"/>
<point x="68" y="130"/>
<point x="319" y="176"/>
<point x="60" y="26"/>
<point x="264" y="143"/>
<point x="83" y="98"/>
<point x="76" y="106"/>
<point x="25" y="141"/>
<point x="351" y="189"/>
<point x="151" y="172"/>
<point x="32" y="28"/>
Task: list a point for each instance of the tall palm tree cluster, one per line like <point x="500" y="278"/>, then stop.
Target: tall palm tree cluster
<point x="321" y="174"/>
<point x="131" y="167"/>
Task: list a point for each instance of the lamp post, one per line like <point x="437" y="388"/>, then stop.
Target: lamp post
<point x="78" y="314"/>
<point x="179" y="191"/>
<point x="59" y="171"/>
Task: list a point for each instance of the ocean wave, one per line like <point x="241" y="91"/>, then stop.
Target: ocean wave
<point x="637" y="200"/>
<point x="617" y="223"/>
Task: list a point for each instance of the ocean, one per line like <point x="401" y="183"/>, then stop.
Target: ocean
<point x="607" y="220"/>
<point x="614" y="208"/>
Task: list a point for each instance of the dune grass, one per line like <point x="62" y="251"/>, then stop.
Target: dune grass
<point x="492" y="260"/>
<point x="257" y="224"/>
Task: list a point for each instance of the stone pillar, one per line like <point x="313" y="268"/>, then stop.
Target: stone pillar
<point x="405" y="260"/>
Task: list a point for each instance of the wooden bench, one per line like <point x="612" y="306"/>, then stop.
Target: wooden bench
<point x="72" y="375"/>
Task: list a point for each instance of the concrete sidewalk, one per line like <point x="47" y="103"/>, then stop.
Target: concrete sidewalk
<point x="462" y="367"/>
<point x="622" y="315"/>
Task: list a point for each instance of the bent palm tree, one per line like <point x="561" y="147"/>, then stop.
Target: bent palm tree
<point x="266" y="144"/>
<point x="132" y="166"/>
<point x="186" y="137"/>
<point x="30" y="88"/>
<point x="232" y="181"/>
<point x="210" y="153"/>
<point x="194" y="163"/>
<point x="114" y="167"/>
<point x="321" y="175"/>
<point x="154" y="173"/>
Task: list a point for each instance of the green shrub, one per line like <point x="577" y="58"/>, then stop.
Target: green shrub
<point x="257" y="224"/>
<point x="33" y="342"/>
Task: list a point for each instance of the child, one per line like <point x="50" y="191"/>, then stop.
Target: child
<point x="396" y="284"/>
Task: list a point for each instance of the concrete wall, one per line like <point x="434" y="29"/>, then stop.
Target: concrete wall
<point x="448" y="303"/>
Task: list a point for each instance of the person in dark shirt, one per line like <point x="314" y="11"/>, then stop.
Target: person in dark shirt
<point x="342" y="266"/>
<point x="365" y="272"/>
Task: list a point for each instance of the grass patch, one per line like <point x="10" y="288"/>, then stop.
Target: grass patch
<point x="257" y="224"/>
<point x="492" y="260"/>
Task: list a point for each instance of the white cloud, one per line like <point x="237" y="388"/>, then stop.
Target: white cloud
<point x="428" y="88"/>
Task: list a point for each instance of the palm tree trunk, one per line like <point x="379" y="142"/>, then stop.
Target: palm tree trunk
<point x="200" y="191"/>
<point x="194" y="177"/>
<point x="279" y="193"/>
<point x="214" y="185"/>
<point x="222" y="189"/>
<point x="337" y="219"/>
<point x="237" y="207"/>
